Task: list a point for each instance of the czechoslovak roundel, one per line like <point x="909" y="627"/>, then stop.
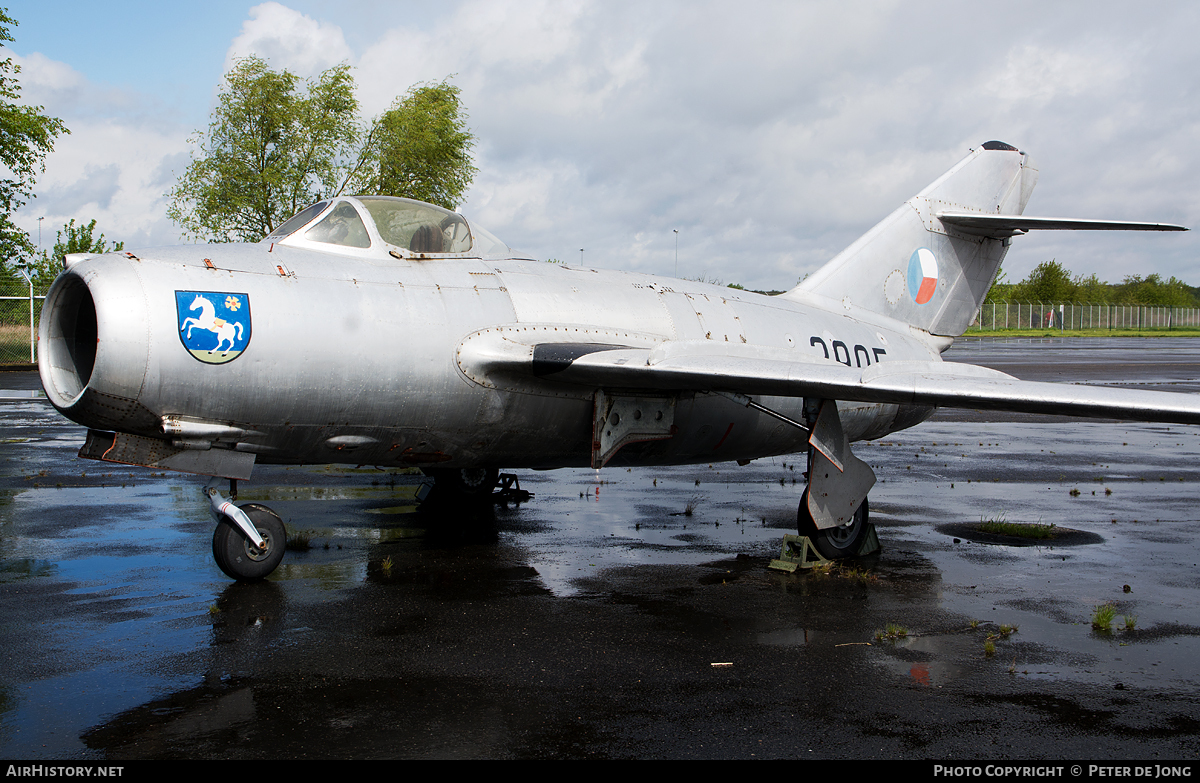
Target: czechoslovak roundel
<point x="922" y="275"/>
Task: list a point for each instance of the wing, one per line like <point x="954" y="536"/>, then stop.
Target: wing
<point x="498" y="359"/>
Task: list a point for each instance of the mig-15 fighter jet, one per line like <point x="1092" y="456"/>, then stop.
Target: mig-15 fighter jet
<point x="385" y="331"/>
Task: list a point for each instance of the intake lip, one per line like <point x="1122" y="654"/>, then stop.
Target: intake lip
<point x="94" y="345"/>
<point x="67" y="340"/>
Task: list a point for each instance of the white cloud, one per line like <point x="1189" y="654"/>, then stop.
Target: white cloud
<point x="113" y="172"/>
<point x="66" y="92"/>
<point x="42" y="76"/>
<point x="289" y="39"/>
<point x="110" y="167"/>
<point x="1037" y="75"/>
<point x="771" y="134"/>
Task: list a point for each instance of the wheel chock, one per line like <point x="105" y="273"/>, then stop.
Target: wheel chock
<point x="870" y="542"/>
<point x="510" y="490"/>
<point x="797" y="552"/>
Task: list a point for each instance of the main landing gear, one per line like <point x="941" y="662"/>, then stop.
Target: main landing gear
<point x="835" y="542"/>
<point x="833" y="511"/>
<point x="463" y="484"/>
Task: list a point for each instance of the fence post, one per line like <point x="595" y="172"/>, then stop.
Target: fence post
<point x="32" y="338"/>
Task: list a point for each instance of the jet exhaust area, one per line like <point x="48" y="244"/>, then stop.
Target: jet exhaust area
<point x="619" y="614"/>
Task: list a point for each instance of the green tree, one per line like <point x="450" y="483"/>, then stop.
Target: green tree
<point x="71" y="239"/>
<point x="1092" y="289"/>
<point x="277" y="144"/>
<point x="1152" y="290"/>
<point x="420" y="148"/>
<point x="1001" y="289"/>
<point x="26" y="136"/>
<point x="1049" y="281"/>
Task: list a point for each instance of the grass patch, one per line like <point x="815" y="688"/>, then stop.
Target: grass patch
<point x="299" y="541"/>
<point x="891" y="631"/>
<point x="1000" y="526"/>
<point x="837" y="569"/>
<point x="14" y="341"/>
<point x="1102" y="617"/>
<point x="860" y="575"/>
<point x="690" y="508"/>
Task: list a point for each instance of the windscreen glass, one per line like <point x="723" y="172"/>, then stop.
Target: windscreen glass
<point x="342" y="226"/>
<point x="488" y="245"/>
<point x="418" y="227"/>
<point x="297" y="220"/>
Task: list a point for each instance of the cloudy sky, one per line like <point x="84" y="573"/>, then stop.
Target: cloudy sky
<point x="770" y="135"/>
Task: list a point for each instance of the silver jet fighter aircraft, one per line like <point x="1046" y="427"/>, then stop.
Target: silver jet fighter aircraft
<point x="389" y="332"/>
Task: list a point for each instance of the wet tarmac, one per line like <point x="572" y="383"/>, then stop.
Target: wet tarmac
<point x="602" y="620"/>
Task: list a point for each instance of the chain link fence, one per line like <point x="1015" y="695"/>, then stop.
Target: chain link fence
<point x="18" y="330"/>
<point x="994" y="316"/>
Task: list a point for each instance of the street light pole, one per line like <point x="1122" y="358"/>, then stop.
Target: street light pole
<point x="676" y="251"/>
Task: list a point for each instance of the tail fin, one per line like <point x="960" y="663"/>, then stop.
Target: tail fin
<point x="929" y="272"/>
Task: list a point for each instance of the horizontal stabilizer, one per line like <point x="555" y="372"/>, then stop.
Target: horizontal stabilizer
<point x="989" y="225"/>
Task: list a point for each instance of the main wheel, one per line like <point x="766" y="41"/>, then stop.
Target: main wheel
<point x="239" y="558"/>
<point x="478" y="481"/>
<point x="465" y="483"/>
<point x="834" y="542"/>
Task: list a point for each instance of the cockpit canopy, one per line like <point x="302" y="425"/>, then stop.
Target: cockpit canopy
<point x="386" y="224"/>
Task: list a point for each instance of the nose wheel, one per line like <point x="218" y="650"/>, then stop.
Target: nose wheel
<point x="238" y="556"/>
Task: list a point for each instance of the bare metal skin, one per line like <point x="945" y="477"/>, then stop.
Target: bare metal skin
<point x="387" y="332"/>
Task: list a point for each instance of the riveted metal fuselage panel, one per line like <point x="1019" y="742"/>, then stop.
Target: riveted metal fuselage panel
<point x="354" y="360"/>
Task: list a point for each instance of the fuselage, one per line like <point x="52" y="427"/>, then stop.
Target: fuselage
<point x="353" y="359"/>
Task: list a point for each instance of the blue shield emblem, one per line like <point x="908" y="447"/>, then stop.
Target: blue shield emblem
<point x="214" y="327"/>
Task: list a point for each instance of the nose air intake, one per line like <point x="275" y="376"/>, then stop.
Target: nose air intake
<point x="94" y="338"/>
<point x="68" y="336"/>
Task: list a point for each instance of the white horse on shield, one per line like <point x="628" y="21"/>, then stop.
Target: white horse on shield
<point x="224" y="330"/>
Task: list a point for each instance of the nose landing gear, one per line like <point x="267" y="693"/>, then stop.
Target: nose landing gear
<point x="243" y="560"/>
<point x="249" y="541"/>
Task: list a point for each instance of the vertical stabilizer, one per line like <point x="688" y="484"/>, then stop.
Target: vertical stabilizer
<point x="914" y="267"/>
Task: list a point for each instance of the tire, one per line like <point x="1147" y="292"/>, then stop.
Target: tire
<point x="464" y="483"/>
<point x="478" y="481"/>
<point x="240" y="559"/>
<point x="835" y="542"/>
